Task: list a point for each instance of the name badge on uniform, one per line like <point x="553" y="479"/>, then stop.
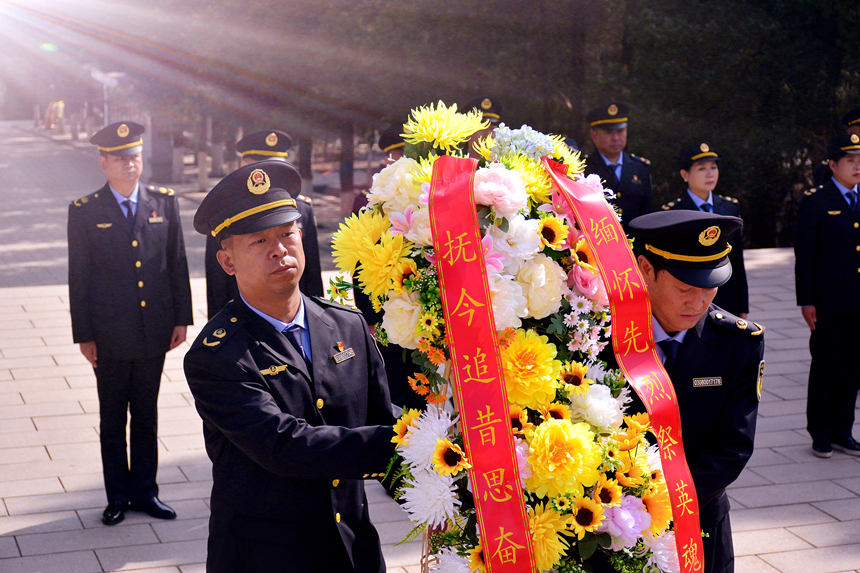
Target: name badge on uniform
<point x="104" y="225"/>
<point x="344" y="354"/>
<point x="156" y="219"/>
<point x="712" y="382"/>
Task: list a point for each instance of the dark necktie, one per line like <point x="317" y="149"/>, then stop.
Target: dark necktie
<point x="707" y="207"/>
<point x="613" y="168"/>
<point x="670" y="348"/>
<point x="294" y="335"/>
<point x="129" y="212"/>
<point x="852" y="200"/>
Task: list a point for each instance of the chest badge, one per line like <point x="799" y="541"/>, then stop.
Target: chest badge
<point x="104" y="225"/>
<point x="155" y="218"/>
<point x="343" y="354"/>
<point x="636" y="179"/>
<point x="273" y="370"/>
<point x="712" y="382"/>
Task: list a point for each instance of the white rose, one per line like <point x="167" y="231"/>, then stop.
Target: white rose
<point x="395" y="186"/>
<point x="597" y="407"/>
<point x="520" y="243"/>
<point x="544" y="283"/>
<point x="420" y="233"/>
<point x="400" y="317"/>
<point x="509" y="302"/>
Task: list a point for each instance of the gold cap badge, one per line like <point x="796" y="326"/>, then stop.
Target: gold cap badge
<point x="709" y="236"/>
<point x="855" y="138"/>
<point x="258" y="182"/>
<point x="704" y="148"/>
<point x="487" y="103"/>
<point x="272" y="139"/>
<point x="122" y="130"/>
<point x="612" y="109"/>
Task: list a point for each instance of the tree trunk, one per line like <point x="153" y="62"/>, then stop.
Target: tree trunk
<point x="347" y="161"/>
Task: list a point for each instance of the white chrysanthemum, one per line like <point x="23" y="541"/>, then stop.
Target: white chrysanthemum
<point x="420" y="232"/>
<point x="449" y="562"/>
<point x="420" y="443"/>
<point x="664" y="554"/>
<point x="509" y="301"/>
<point x="597" y="407"/>
<point x="400" y="316"/>
<point x="429" y="498"/>
<point x="653" y="456"/>
<point x="395" y="186"/>
<point x="522" y="450"/>
<point x="519" y="244"/>
<point x="544" y="283"/>
<point x="596" y="371"/>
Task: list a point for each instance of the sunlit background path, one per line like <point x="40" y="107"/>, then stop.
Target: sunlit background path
<point x="792" y="512"/>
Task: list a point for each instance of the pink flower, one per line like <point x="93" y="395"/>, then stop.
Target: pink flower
<point x="401" y="222"/>
<point x="625" y="523"/>
<point x="500" y="188"/>
<point x="588" y="284"/>
<point x="521" y="447"/>
<point x="493" y="259"/>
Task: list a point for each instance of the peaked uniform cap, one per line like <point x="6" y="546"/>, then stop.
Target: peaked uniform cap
<point x="265" y="144"/>
<point x="611" y="116"/>
<point x="122" y="138"/>
<point x="692" y="245"/>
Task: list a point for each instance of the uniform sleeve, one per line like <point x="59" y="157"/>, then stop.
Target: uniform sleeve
<point x="238" y="405"/>
<point x="178" y="269"/>
<point x="79" y="273"/>
<point x="719" y="464"/>
<point x="804" y="249"/>
<point x="312" y="277"/>
<point x="379" y="399"/>
<point x="739" y="271"/>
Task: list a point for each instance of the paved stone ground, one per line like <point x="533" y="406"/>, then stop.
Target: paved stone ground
<point x="792" y="512"/>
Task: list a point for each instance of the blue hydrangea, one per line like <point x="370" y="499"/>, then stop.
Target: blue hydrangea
<point x="523" y="141"/>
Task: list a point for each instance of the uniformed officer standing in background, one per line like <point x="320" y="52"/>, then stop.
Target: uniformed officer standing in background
<point x="713" y="358"/>
<point x="292" y="393"/>
<point x="821" y="173"/>
<point x="827" y="281"/>
<point x="628" y="175"/>
<point x="220" y="287"/>
<point x="130" y="303"/>
<point x="699" y="169"/>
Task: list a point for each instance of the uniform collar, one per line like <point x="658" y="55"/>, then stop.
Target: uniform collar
<point x="608" y="163"/>
<point x="699" y="201"/>
<point x="660" y="335"/>
<point x="119" y="198"/>
<point x="843" y="189"/>
<point x="279" y="325"/>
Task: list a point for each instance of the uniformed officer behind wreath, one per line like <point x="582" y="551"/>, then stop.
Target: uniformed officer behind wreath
<point x="698" y="165"/>
<point x="221" y="287"/>
<point x="130" y="302"/>
<point x="628" y="175"/>
<point x="713" y="358"/>
<point x="827" y="281"/>
<point x="292" y="393"/>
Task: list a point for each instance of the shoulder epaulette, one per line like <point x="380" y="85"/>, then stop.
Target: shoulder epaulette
<point x="727" y="198"/>
<point x="163" y="190"/>
<point x="218" y="330"/>
<point x="670" y="204"/>
<point x="728" y="320"/>
<point x="813" y="191"/>
<point x="641" y="159"/>
<point x="327" y="302"/>
<point x="80" y="202"/>
<point x="304" y="198"/>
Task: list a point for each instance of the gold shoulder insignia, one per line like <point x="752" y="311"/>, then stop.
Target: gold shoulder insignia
<point x="759" y="329"/>
<point x="305" y="198"/>
<point x="760" y="380"/>
<point x="163" y="190"/>
<point x="210" y="344"/>
<point x="76" y="203"/>
<point x="812" y="191"/>
<point x="665" y="207"/>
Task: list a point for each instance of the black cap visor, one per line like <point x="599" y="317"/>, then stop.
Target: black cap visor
<point x="260" y="222"/>
<point x="702" y="277"/>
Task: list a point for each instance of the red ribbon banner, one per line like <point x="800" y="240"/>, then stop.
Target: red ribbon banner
<point x="477" y="369"/>
<point x="635" y="350"/>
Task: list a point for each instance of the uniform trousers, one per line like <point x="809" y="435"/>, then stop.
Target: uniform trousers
<point x="832" y="392"/>
<point x="129" y="386"/>
<point x="717" y="545"/>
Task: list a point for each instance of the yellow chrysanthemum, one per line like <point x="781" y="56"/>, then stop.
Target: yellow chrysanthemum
<point x="407" y="420"/>
<point x="607" y="492"/>
<point x="555" y="410"/>
<point x="476" y="559"/>
<point x="483" y="146"/>
<point x="572" y="375"/>
<point x="538" y="183"/>
<point x="583" y="256"/>
<point x="659" y="507"/>
<point x="566" y="155"/>
<point x="448" y="458"/>
<point x="640" y="422"/>
<point x="553" y="232"/>
<point x="587" y="516"/>
<point x="442" y="126"/>
<point x="354" y="238"/>
<point x="382" y="263"/>
<point x="408" y="269"/>
<point x="548" y="528"/>
<point x="563" y="458"/>
<point x="530" y="369"/>
<point x="424" y="172"/>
